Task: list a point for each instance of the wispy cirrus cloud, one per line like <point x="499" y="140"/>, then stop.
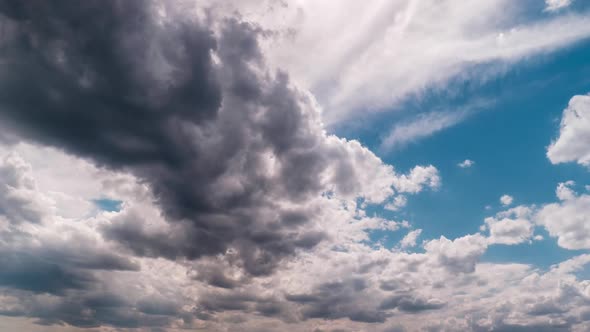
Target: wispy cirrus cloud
<point x="424" y="125"/>
<point x="419" y="127"/>
<point x="399" y="48"/>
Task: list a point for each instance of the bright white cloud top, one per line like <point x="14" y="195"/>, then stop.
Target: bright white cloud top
<point x="574" y="134"/>
<point x="396" y="48"/>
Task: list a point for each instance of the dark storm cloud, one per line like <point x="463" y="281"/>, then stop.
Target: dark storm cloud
<point x="83" y="75"/>
<point x="107" y="81"/>
<point x="355" y="299"/>
<point x="223" y="301"/>
<point x="410" y="303"/>
<point x="338" y="300"/>
<point x="88" y="309"/>
<point x="27" y="272"/>
<point x="53" y="266"/>
<point x="234" y="155"/>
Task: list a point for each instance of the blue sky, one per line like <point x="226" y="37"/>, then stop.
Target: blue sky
<point x="507" y="138"/>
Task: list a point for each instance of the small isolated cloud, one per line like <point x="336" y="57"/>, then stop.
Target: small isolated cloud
<point x="410" y="239"/>
<point x="555" y="5"/>
<point x="466" y="163"/>
<point x="506" y="200"/>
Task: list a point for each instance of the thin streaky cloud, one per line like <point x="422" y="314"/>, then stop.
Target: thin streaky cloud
<point x="421" y="126"/>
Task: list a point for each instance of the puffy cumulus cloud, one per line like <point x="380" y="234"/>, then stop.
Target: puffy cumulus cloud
<point x="398" y="202"/>
<point x="59" y="270"/>
<point x="67" y="275"/>
<point x="410" y="239"/>
<point x="233" y="153"/>
<point x="512" y="226"/>
<point x="564" y="191"/>
<point x="19" y="199"/>
<point x="420" y="177"/>
<point x="568" y="219"/>
<point x="574" y="134"/>
<point x="506" y="200"/>
<point x="381" y="290"/>
<point x="459" y="255"/>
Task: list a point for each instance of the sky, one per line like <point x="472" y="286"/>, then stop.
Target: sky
<point x="294" y="165"/>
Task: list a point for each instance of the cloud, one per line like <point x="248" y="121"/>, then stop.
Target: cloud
<point x="506" y="200"/>
<point x="555" y="5"/>
<point x="19" y="198"/>
<point x="568" y="219"/>
<point x="398" y="203"/>
<point x="510" y="227"/>
<point x="459" y="255"/>
<point x="341" y="283"/>
<point x="364" y="67"/>
<point x="238" y="211"/>
<point x="410" y="239"/>
<point x="226" y="147"/>
<point x="239" y="174"/>
<point x="564" y="191"/>
<point x="420" y="177"/>
<point x="466" y="163"/>
<point x="422" y="126"/>
<point x="574" y="134"/>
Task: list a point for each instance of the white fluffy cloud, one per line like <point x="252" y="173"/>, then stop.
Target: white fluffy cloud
<point x="398" y="202"/>
<point x="420" y="177"/>
<point x="510" y="227"/>
<point x="573" y="142"/>
<point x="506" y="200"/>
<point x="569" y="219"/>
<point x="459" y="255"/>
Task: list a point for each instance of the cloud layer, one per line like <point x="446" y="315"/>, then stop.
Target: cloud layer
<point x="239" y="212"/>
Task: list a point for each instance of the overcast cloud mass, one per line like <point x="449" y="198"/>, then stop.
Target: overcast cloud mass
<point x="173" y="166"/>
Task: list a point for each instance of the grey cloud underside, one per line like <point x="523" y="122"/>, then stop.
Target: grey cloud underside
<point x="107" y="81"/>
<point x="345" y="300"/>
<point x="190" y="110"/>
<point x="88" y="309"/>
